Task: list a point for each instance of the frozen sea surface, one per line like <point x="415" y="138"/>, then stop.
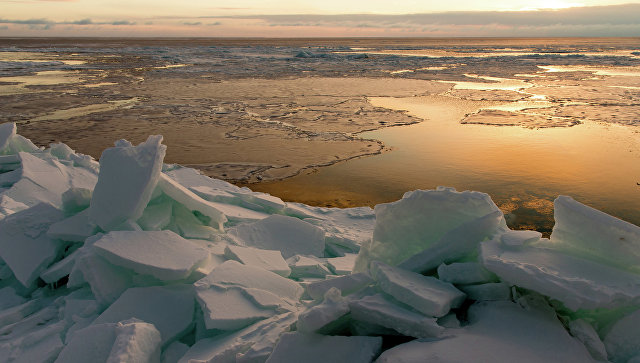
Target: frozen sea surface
<point x="523" y="119"/>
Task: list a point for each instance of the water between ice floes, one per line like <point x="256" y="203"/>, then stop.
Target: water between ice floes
<point x="522" y="169"/>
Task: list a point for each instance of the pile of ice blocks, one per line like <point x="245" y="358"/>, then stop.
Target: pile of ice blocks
<point x="133" y="260"/>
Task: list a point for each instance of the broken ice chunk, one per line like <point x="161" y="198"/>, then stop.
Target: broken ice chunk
<point x="189" y="225"/>
<point x="455" y="244"/>
<point x="465" y="273"/>
<point x="60" y="269"/>
<point x="107" y="281"/>
<point x="251" y="344"/>
<point x="174" y="352"/>
<point x="586" y="232"/>
<point x="40" y="345"/>
<point x="229" y="308"/>
<point x="576" y="282"/>
<point x="304" y="266"/>
<point x="9" y="298"/>
<point x="7" y="131"/>
<point x="44" y="179"/>
<point x="377" y="309"/>
<point x="420" y="219"/>
<point x="426" y="294"/>
<point x="347" y="284"/>
<point x="126" y="341"/>
<point x="288" y="235"/>
<point x="622" y="339"/>
<point x="75" y="200"/>
<point x="266" y="259"/>
<point x="519" y="238"/>
<point x="128" y="176"/>
<point x="311" y="348"/>
<point x="585" y="333"/>
<point x="155" y="217"/>
<point x="74" y="229"/>
<point x="169" y="308"/>
<point x="24" y="244"/>
<point x="233" y="273"/>
<point x="333" y="307"/>
<point x="161" y="254"/>
<point x="492" y="291"/>
<point x="191" y="201"/>
<point x="497" y="332"/>
<point x="342" y="265"/>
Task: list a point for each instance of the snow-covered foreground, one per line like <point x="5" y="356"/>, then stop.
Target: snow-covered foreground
<point x="133" y="260"/>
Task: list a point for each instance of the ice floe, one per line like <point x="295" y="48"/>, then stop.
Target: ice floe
<point x="133" y="260"/>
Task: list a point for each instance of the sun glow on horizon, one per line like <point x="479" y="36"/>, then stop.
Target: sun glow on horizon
<point x="551" y="5"/>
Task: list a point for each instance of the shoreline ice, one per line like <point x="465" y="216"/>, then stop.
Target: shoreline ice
<point x="131" y="259"/>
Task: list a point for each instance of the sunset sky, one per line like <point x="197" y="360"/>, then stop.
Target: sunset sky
<point x="306" y="18"/>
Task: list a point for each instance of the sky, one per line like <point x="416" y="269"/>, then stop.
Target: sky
<point x="318" y="18"/>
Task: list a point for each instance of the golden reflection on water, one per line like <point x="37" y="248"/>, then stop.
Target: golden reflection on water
<point x="522" y="169"/>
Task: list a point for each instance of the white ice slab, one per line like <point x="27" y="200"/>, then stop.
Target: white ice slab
<point x="155" y="217"/>
<point x="426" y="294"/>
<point x="24" y="244"/>
<point x="376" y="309"/>
<point x="229" y="308"/>
<point x="168" y="308"/>
<point x="191" y="201"/>
<point x="342" y="265"/>
<point x="43" y="178"/>
<point x="128" y="176"/>
<point x="59" y="269"/>
<point x="456" y="243"/>
<point x="76" y="199"/>
<point x="233" y="273"/>
<point x="577" y="282"/>
<point x="304" y="266"/>
<point x="7" y="131"/>
<point x="127" y="341"/>
<point x="347" y="284"/>
<point x="41" y="345"/>
<point x="465" y="273"/>
<point x="622" y="339"/>
<point x="267" y="259"/>
<point x="420" y="219"/>
<point x="74" y="229"/>
<point x="107" y="281"/>
<point x="584" y="332"/>
<point x="162" y="254"/>
<point x="251" y="344"/>
<point x="288" y="235"/>
<point x="590" y="233"/>
<point x="312" y="348"/>
<point x="520" y="238"/>
<point x="493" y="291"/>
<point x="331" y="309"/>
<point x="9" y="298"/>
<point x="498" y="332"/>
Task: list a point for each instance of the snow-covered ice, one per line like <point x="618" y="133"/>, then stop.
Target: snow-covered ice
<point x="161" y="254"/>
<point x="426" y="294"/>
<point x="377" y="309"/>
<point x="298" y="347"/>
<point x="289" y="235"/>
<point x="577" y="282"/>
<point x="128" y="176"/>
<point x="131" y="259"/>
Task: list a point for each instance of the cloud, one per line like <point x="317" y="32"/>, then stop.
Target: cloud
<point x="195" y="23"/>
<point x="120" y="22"/>
<point x="47" y="24"/>
<point x="579" y="16"/>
